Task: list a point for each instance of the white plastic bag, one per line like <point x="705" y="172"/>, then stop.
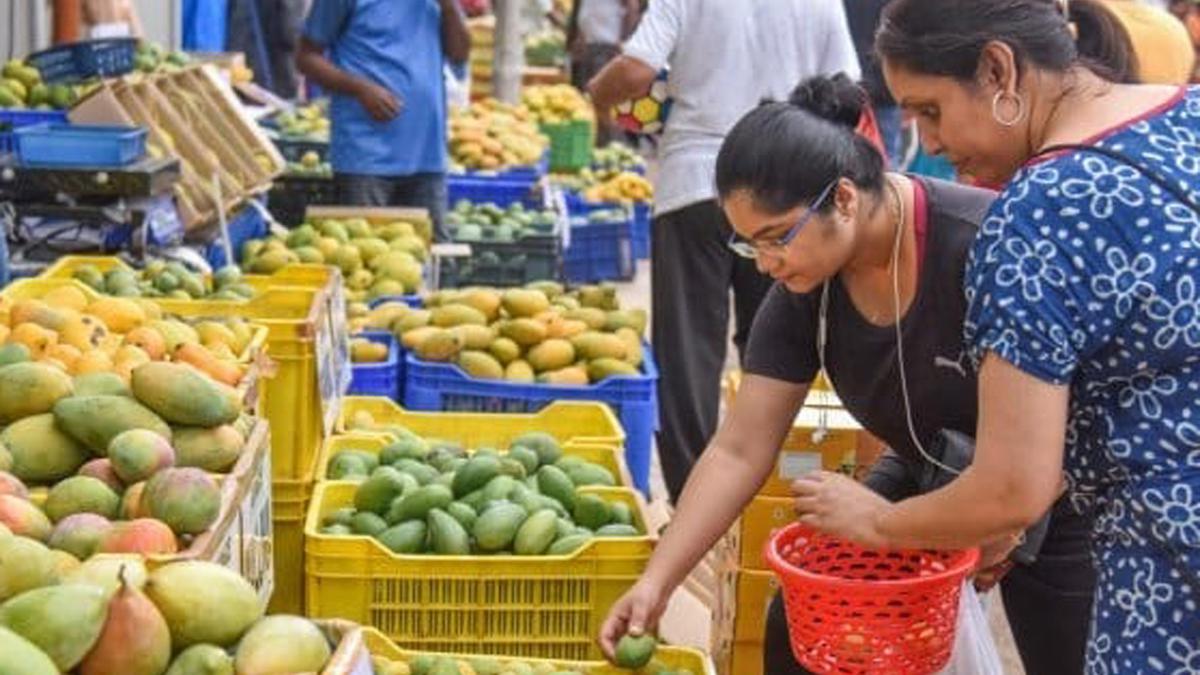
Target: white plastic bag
<point x="975" y="650"/>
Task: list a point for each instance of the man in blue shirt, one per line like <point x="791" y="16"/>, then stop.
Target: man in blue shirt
<point x="382" y="62"/>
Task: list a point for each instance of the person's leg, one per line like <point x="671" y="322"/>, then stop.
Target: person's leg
<point x="1049" y="604"/>
<point x="777" y="645"/>
<point x="426" y="191"/>
<point x="356" y="189"/>
<point x="690" y="316"/>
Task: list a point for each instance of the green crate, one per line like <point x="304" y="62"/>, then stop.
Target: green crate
<point x="570" y="144"/>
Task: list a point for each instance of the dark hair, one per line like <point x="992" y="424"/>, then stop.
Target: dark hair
<point x="946" y="37"/>
<point x="785" y="154"/>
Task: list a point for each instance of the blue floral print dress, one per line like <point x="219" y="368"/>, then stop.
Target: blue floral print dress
<point x="1086" y="273"/>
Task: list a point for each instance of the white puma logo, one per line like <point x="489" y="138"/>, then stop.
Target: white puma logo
<point x="955" y="364"/>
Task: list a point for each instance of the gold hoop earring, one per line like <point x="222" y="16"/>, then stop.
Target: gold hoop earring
<point x="1012" y="121"/>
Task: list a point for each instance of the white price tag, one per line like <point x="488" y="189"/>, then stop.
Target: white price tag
<point x="794" y="465"/>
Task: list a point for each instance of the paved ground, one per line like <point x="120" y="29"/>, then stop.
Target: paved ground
<point x="637" y="294"/>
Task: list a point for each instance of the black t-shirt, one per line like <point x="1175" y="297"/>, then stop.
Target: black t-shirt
<point x="861" y="357"/>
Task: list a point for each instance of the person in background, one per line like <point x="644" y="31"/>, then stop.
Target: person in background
<point x="724" y="58"/>
<point x="111" y="18"/>
<point x="595" y="31"/>
<point x="1163" y="49"/>
<point x="1083" y="315"/>
<point x="1188" y="11"/>
<point x="382" y="62"/>
<point x="863" y="16"/>
<point x="280" y="23"/>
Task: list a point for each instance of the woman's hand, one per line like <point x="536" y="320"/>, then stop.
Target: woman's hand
<point x="838" y="505"/>
<point x="637" y="612"/>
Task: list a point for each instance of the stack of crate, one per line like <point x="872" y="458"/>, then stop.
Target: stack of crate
<point x="746" y="585"/>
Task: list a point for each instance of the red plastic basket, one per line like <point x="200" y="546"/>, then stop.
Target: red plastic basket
<point x="852" y="610"/>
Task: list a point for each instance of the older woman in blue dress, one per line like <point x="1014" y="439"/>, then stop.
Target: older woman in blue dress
<point x="1084" y="315"/>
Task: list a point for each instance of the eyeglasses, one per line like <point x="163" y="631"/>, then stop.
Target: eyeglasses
<point x="751" y="249"/>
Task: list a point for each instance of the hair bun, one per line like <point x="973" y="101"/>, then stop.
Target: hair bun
<point x="836" y="99"/>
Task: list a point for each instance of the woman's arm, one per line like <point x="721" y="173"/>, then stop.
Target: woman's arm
<point x="1014" y="480"/>
<point x="732" y="469"/>
<point x="456" y="37"/>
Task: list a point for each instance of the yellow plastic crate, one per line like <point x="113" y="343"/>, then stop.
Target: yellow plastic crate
<point x="568" y="421"/>
<point x="759" y="521"/>
<point x="289" y="504"/>
<point x="820" y="393"/>
<point x="740" y="623"/>
<point x="303" y="397"/>
<point x="671" y="657"/>
<point x="543" y="606"/>
<point x="803" y="451"/>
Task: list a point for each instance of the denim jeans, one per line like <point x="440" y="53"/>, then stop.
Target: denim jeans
<point x="422" y="190"/>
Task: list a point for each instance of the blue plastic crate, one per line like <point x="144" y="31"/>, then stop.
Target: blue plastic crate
<point x="245" y="225"/>
<point x="600" y="251"/>
<point x="444" y="386"/>
<point x="77" y="61"/>
<point x="502" y="193"/>
<point x="642" y="220"/>
<point x="378" y="379"/>
<point x="413" y="301"/>
<point x="79" y="145"/>
<point x="11" y="118"/>
<point x="526" y="174"/>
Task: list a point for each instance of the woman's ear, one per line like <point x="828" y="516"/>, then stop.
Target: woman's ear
<point x="997" y="70"/>
<point x="846" y="199"/>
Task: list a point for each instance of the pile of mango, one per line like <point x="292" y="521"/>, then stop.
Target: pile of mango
<point x="632" y="655"/>
<point x="556" y="104"/>
<point x="539" y="333"/>
<point x="363" y="350"/>
<point x="469" y="222"/>
<point x="376" y="260"/>
<point x="617" y="157"/>
<point x="546" y="49"/>
<point x="490" y="135"/>
<point x="624" y="188"/>
<point x="126" y="466"/>
<point x="21" y="86"/>
<point x="152" y="57"/>
<point x="162" y="279"/>
<point x="110" y="616"/>
<point x="305" y="123"/>
<point x="67" y="331"/>
<point x="419" y="496"/>
<point x="310" y="166"/>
